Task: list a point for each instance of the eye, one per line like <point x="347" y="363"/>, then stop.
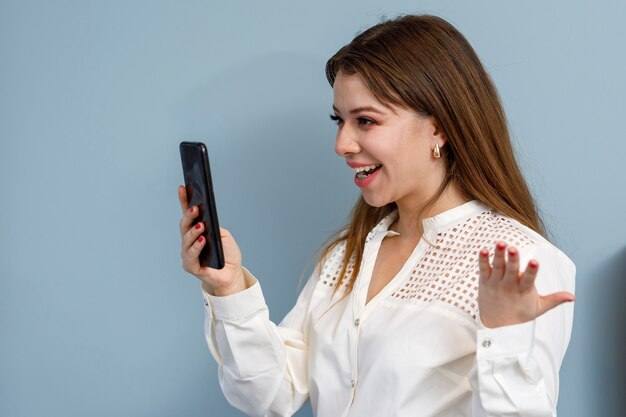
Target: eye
<point x="338" y="120"/>
<point x="363" y="121"/>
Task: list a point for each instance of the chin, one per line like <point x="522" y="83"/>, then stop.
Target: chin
<point x="375" y="202"/>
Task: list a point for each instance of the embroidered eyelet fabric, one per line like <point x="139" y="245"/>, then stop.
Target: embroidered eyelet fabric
<point x="331" y="269"/>
<point x="417" y="348"/>
<point x="448" y="271"/>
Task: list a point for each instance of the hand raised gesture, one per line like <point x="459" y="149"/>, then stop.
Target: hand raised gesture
<point x="507" y="296"/>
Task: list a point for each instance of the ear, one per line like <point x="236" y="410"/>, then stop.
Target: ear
<point x="438" y="132"/>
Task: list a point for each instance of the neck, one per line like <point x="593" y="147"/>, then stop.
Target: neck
<point x="409" y="221"/>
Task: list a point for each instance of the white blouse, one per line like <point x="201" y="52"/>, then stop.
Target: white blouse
<point x="418" y="348"/>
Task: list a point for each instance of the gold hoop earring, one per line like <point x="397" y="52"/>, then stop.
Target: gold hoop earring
<point x="436" y="152"/>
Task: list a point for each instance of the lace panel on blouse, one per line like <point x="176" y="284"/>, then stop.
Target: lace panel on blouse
<point x="332" y="267"/>
<point x="448" y="272"/>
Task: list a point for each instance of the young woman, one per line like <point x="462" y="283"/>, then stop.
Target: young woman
<point x="441" y="297"/>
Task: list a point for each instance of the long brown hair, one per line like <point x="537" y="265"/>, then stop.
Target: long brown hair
<point x="425" y="64"/>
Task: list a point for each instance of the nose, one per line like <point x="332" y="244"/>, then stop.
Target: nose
<point x="346" y="142"/>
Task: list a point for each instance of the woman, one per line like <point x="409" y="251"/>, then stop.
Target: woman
<point x="428" y="303"/>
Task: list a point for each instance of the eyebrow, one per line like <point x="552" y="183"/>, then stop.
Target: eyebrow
<point x="361" y="109"/>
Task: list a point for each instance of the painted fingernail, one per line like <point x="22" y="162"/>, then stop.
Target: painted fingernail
<point x="200" y="239"/>
<point x="533" y="264"/>
<point x="197" y="226"/>
<point x="484" y="253"/>
<point x="191" y="209"/>
<point x="501" y="245"/>
<point x="512" y="252"/>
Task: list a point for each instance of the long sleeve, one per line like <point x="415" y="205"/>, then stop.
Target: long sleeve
<point x="262" y="367"/>
<point x="517" y="366"/>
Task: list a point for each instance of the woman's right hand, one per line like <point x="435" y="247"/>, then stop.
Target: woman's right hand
<point x="220" y="282"/>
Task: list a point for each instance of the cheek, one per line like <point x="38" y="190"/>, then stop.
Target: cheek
<point x="410" y="166"/>
<point x="407" y="159"/>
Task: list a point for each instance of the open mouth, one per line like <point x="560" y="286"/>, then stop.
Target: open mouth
<point x="364" y="172"/>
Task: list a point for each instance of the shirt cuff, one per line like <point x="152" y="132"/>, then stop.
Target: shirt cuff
<point x="505" y="341"/>
<point x="237" y="306"/>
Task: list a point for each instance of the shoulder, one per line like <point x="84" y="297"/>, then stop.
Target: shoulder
<point x="556" y="270"/>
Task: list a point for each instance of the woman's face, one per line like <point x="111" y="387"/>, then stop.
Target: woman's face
<point x="401" y="140"/>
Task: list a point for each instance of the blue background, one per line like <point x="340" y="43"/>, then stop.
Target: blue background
<point x="96" y="316"/>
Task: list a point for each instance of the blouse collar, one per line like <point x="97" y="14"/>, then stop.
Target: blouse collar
<point x="432" y="224"/>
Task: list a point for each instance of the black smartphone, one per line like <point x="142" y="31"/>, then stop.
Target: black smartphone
<point x="199" y="187"/>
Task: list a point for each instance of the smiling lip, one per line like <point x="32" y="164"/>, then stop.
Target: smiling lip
<point x="361" y="183"/>
<point x="358" y="164"/>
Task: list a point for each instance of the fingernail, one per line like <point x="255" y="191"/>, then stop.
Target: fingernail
<point x="512" y="252"/>
<point x="501" y="245"/>
<point x="200" y="239"/>
<point x="197" y="226"/>
<point x="484" y="252"/>
<point x="191" y="209"/>
<point x="533" y="264"/>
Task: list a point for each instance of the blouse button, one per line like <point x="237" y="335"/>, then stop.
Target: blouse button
<point x="353" y="383"/>
<point x="486" y="343"/>
<point x="356" y="323"/>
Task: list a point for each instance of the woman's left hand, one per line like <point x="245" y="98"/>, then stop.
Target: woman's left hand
<point x="506" y="296"/>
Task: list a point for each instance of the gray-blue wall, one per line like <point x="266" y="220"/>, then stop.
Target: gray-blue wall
<point x="97" y="317"/>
